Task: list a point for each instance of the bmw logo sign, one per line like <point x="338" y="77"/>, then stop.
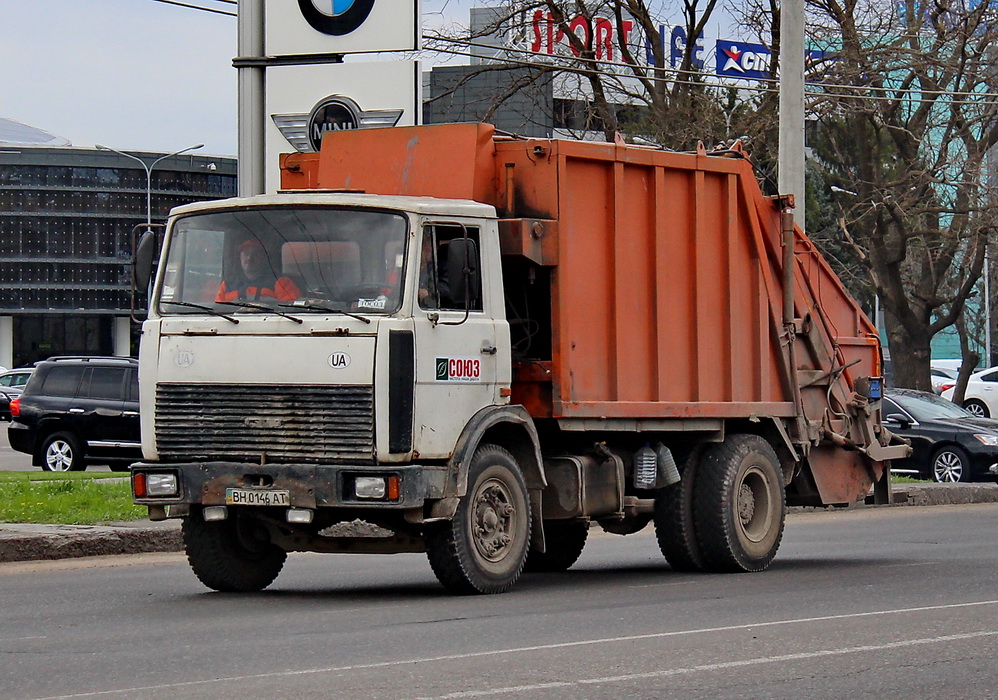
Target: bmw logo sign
<point x="336" y="17"/>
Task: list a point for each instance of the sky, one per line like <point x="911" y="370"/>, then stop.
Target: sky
<point x="128" y="74"/>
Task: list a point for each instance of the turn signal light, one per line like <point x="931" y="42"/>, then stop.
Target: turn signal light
<point x="15" y="407"/>
<point x="139" y="485"/>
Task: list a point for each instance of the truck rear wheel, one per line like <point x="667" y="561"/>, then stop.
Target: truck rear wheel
<point x="674" y="522"/>
<point x="739" y="504"/>
<point x="564" y="540"/>
<point x="231" y="555"/>
<point x="484" y="547"/>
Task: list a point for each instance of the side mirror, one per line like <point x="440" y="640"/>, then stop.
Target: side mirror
<point x="463" y="275"/>
<point x="898" y="419"/>
<point x="145" y="253"/>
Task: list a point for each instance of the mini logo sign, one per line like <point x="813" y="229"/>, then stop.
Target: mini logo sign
<point x="334" y="113"/>
<point x="335" y="17"/>
<point x="339" y="360"/>
<point x="458" y="369"/>
<point x="184" y="358"/>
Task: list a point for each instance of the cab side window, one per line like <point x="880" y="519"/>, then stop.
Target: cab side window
<point x="439" y="269"/>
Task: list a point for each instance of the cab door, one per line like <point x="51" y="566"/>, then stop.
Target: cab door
<point x="456" y="336"/>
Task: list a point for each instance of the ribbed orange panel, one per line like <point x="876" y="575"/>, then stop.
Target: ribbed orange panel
<point x="667" y="293"/>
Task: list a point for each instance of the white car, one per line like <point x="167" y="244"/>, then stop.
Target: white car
<point x="942" y="378"/>
<point x="981" y="398"/>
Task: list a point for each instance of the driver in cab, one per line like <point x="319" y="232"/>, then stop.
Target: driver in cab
<point x="256" y="278"/>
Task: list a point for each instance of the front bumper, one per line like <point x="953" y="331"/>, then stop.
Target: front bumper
<point x="308" y="485"/>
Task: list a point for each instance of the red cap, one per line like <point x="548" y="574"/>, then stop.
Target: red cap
<point x="251" y="243"/>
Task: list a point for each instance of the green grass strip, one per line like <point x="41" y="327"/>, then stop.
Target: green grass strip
<point x="59" y="476"/>
<point x="67" y="499"/>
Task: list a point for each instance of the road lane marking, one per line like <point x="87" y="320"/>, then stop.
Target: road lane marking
<point x="542" y="647"/>
<point x="800" y="656"/>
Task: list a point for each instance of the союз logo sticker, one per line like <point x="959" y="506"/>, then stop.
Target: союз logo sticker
<point x="458" y="369"/>
<point x="336" y="17"/>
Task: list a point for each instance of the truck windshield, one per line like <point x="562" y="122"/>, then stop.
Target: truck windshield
<point x="316" y="259"/>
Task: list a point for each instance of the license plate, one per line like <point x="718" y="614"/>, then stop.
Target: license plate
<point x="252" y="497"/>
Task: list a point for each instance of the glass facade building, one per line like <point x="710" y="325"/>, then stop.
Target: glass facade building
<point x="66" y="221"/>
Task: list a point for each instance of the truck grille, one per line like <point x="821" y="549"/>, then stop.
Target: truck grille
<point x="265" y="423"/>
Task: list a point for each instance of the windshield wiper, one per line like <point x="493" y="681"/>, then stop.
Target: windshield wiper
<point x="214" y="312"/>
<point x="261" y="307"/>
<point x="316" y="307"/>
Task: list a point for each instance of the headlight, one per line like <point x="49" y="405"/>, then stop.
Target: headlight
<point x="988" y="439"/>
<point x="380" y="488"/>
<point x="161" y="484"/>
<point x="370" y="487"/>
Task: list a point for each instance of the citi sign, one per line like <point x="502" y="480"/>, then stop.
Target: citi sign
<point x="736" y="59"/>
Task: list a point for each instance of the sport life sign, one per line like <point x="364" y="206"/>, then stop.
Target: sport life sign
<point x="735" y="59"/>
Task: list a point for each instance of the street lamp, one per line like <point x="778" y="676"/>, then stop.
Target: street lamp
<point x="148" y="168"/>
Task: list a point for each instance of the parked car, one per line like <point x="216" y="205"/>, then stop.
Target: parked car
<point x="942" y="378"/>
<point x="981" y="397"/>
<point x="11" y="384"/>
<point x="948" y="442"/>
<point x="76" y="411"/>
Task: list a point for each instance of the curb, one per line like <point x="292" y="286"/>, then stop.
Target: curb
<point x="21" y="542"/>
<point x="43" y="542"/>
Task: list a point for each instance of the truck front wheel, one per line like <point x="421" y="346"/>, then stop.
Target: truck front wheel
<point x="739" y="504"/>
<point x="484" y="547"/>
<point x="231" y="555"/>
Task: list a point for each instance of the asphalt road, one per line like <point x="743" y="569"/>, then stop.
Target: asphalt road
<point x="885" y="603"/>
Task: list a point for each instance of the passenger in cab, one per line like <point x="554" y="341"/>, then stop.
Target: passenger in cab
<point x="256" y="278"/>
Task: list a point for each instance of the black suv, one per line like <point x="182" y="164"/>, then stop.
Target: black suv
<point x="76" y="411"/>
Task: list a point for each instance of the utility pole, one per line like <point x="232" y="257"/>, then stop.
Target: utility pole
<point x="791" y="146"/>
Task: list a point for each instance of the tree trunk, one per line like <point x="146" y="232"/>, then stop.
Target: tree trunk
<point x="911" y="352"/>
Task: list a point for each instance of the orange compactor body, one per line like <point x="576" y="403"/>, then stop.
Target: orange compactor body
<point x="657" y="289"/>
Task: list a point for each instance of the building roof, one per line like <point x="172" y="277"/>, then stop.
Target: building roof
<point x="14" y="133"/>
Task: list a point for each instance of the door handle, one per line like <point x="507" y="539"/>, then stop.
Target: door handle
<point x="76" y="410"/>
<point x="489" y="349"/>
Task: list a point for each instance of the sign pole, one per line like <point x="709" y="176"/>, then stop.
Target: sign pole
<point x="252" y="90"/>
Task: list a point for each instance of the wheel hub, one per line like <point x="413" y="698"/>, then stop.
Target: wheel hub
<point x="493" y="521"/>
<point x="746" y="504"/>
<point x="753" y="504"/>
<point x="58" y="457"/>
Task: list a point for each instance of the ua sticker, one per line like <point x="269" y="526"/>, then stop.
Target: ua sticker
<point x="338" y="360"/>
<point x="335" y="17"/>
<point x="458" y="369"/>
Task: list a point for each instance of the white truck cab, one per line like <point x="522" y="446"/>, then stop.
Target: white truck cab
<point x="350" y="349"/>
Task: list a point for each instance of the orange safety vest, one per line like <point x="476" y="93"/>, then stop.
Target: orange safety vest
<point x="283" y="290"/>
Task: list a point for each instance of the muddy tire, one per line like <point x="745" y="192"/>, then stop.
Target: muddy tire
<point x="739" y="504"/>
<point x="675" y="526"/>
<point x="564" y="540"/>
<point x="231" y="555"/>
<point x="484" y="548"/>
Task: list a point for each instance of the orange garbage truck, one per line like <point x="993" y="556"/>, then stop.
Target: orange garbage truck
<point x="486" y="345"/>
